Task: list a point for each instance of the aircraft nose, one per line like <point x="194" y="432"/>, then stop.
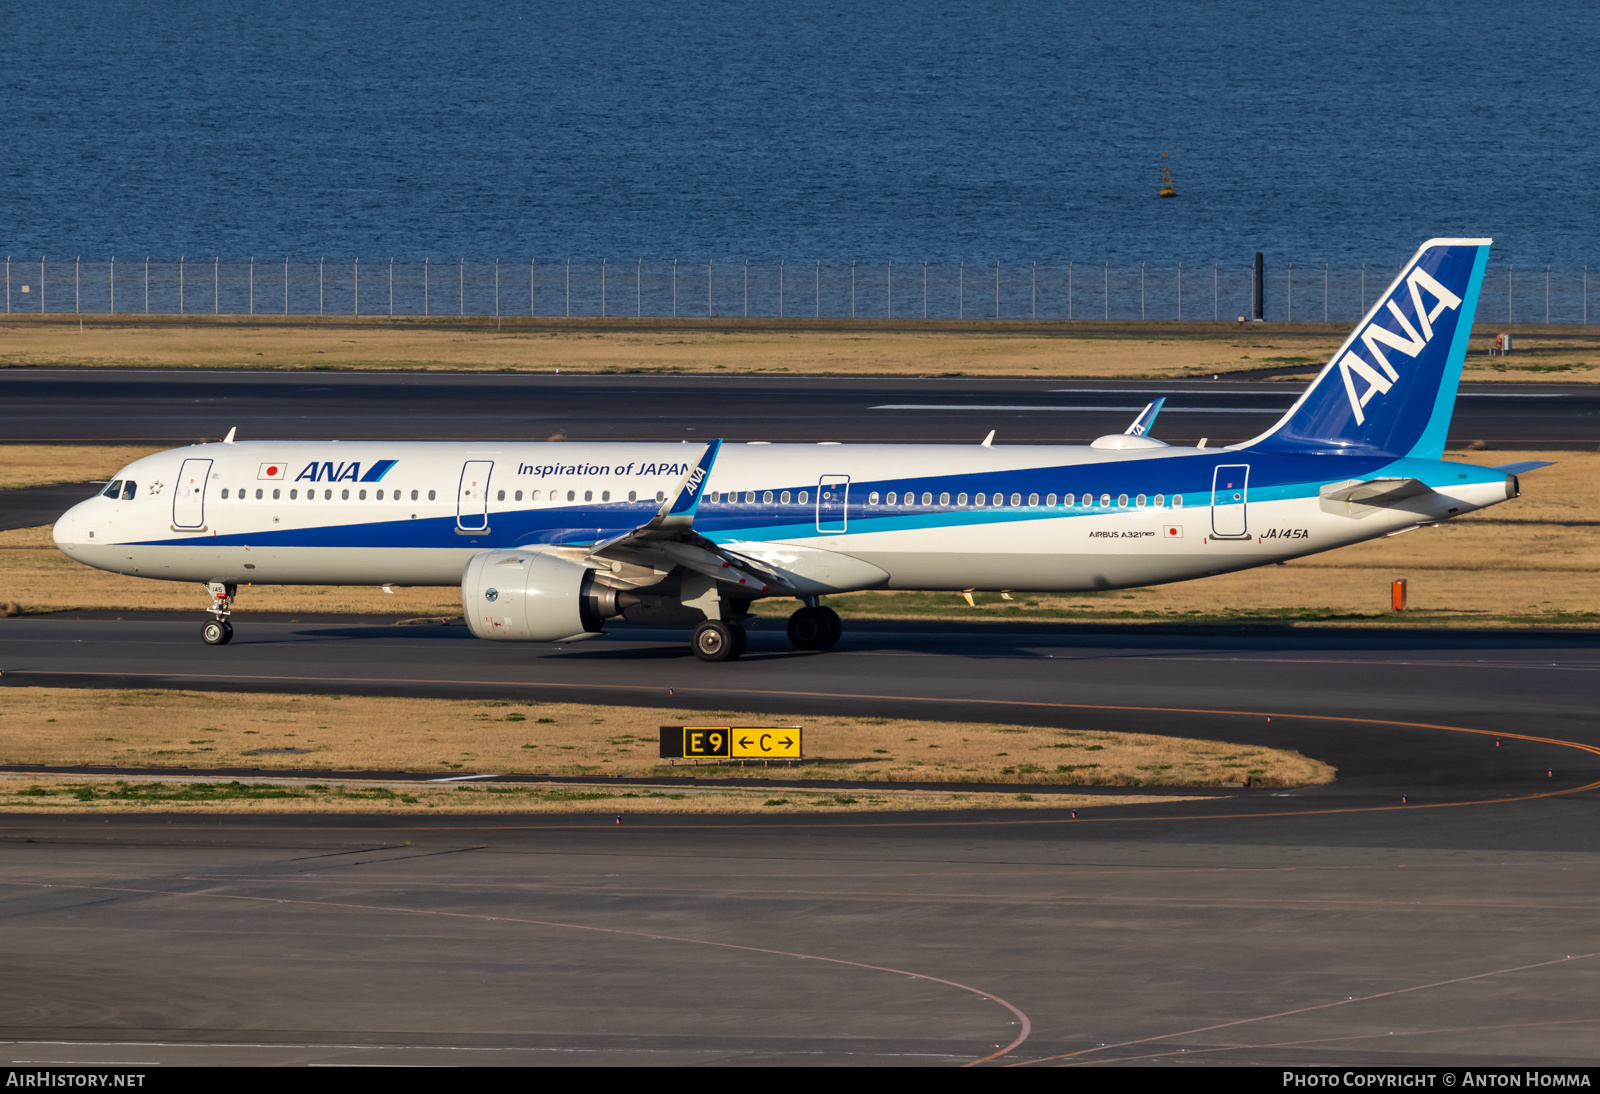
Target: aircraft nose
<point x="69" y="528"/>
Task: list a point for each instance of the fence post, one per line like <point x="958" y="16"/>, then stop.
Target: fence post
<point x="252" y="284"/>
<point x="1547" y="296"/>
<point x="1363" y="291"/>
<point x="146" y="282"/>
<point x="1216" y="294"/>
<point x="889" y="280"/>
<point x="924" y="288"/>
<point x="602" y="288"/>
<point x="533" y="273"/>
<point x="1035" y="283"/>
<point x="780" y="288"/>
<point x="1585" y="294"/>
<point x="322" y="280"/>
<point x="111" y="282"/>
<point x="1108" y="289"/>
<point x="426" y="304"/>
<point x="41" y="286"/>
<point x="216" y="284"/>
<point x="496" y="291"/>
<point x="747" y="288"/>
<point x="1288" y="296"/>
<point x="852" y="288"/>
<point x="285" y="283"/>
<point x="997" y="290"/>
<point x="461" y="286"/>
<point x="1180" y="292"/>
<point x="8" y="284"/>
<point x="710" y="266"/>
<point x="1508" y="294"/>
<point x="1324" y="292"/>
<point x="638" y="288"/>
<point x="569" y="288"/>
<point x="391" y="285"/>
<point x="819" y="288"/>
<point x="1141" y="292"/>
<point x="961" y="291"/>
<point x="1069" y="291"/>
<point x="355" y="281"/>
<point x="180" y="284"/>
<point x="674" y="288"/>
<point x="77" y="287"/>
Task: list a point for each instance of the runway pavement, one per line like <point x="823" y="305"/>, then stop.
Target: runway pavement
<point x="1331" y="925"/>
<point x="180" y="407"/>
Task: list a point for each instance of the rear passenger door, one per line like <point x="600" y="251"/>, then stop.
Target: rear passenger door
<point x="833" y="497"/>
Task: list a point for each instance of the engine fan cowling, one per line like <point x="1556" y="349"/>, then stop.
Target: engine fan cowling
<point x="529" y="596"/>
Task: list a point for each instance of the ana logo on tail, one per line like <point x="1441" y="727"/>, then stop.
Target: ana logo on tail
<point x="1353" y="365"/>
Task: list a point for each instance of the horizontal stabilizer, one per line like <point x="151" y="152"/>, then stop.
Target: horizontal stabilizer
<point x="1524" y="467"/>
<point x="1375" y="491"/>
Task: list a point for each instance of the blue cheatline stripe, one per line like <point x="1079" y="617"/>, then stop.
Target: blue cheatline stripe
<point x="1273" y="477"/>
<point x="1430" y="446"/>
<point x="377" y="471"/>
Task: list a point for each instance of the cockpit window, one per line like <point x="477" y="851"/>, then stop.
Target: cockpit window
<point x="112" y="491"/>
<point x="129" y="488"/>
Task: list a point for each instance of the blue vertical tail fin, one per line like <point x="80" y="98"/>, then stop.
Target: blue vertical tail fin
<point x="1391" y="387"/>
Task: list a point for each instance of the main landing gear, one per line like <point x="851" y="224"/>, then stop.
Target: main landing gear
<point x="715" y="640"/>
<point x="814" y="628"/>
<point x="219" y="632"/>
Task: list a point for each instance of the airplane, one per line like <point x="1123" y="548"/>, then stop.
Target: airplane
<point x="548" y="541"/>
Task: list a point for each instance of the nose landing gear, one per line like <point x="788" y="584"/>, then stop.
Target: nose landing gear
<point x="219" y="632"/>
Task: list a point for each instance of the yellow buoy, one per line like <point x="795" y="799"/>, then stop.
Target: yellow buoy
<point x="1167" y="189"/>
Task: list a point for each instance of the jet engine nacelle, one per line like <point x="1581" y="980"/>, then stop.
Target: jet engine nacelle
<point x="531" y="596"/>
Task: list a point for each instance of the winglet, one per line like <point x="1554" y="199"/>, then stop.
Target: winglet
<point x="1147" y="418"/>
<point x="988" y="442"/>
<point x="229" y="438"/>
<point x="684" y="502"/>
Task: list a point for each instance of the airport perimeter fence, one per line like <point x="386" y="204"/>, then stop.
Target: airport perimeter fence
<point x="1309" y="293"/>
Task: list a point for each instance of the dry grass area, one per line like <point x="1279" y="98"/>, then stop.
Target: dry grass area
<point x="43" y="794"/>
<point x="145" y="728"/>
<point x="1532" y="561"/>
<point x="977" y="349"/>
<point x="47" y="464"/>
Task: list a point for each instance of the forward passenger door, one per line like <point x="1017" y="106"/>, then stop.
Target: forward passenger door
<point x="189" y="496"/>
<point x="833" y="497"/>
<point x="472" y="498"/>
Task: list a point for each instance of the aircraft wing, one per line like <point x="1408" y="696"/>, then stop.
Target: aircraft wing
<point x="669" y="537"/>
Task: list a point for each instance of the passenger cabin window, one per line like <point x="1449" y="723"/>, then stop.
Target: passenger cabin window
<point x="633" y="495"/>
<point x="1105" y="501"/>
<point x="258" y="493"/>
<point x="293" y="495"/>
<point x="430" y="494"/>
<point x="1050" y="501"/>
<point x="275" y="494"/>
<point x="1177" y="501"/>
<point x="749" y="497"/>
<point x="944" y="499"/>
<point x="588" y="495"/>
<point x="413" y="495"/>
<point x="660" y="496"/>
<point x="1161" y="500"/>
<point x="1033" y="499"/>
<point x="605" y="495"/>
<point x="362" y="496"/>
<point x="891" y="497"/>
<point x="1016" y="499"/>
<point x="784" y="498"/>
<point x="501" y="496"/>
<point x="766" y="497"/>
<point x="1139" y="501"/>
<point x="804" y="497"/>
<point x="224" y="491"/>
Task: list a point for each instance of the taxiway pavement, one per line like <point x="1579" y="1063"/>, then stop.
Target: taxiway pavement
<point x="1330" y="925"/>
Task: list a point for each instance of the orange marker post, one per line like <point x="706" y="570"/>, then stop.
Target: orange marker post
<point x="1397" y="595"/>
